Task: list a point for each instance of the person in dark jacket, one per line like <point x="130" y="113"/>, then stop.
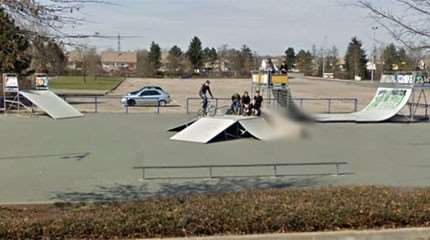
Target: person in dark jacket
<point x="246" y="104"/>
<point x="204" y="90"/>
<point x="258" y="102"/>
<point x="235" y="103"/>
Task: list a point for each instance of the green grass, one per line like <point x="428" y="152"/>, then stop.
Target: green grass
<point x="77" y="82"/>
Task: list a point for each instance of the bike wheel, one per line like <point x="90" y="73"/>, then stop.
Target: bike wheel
<point x="211" y="111"/>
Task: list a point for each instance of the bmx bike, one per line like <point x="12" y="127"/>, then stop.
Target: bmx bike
<point x="211" y="110"/>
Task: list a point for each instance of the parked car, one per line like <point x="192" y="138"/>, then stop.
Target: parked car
<point x="145" y="87"/>
<point x="146" y="96"/>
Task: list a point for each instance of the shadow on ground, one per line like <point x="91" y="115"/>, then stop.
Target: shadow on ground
<point x="120" y="192"/>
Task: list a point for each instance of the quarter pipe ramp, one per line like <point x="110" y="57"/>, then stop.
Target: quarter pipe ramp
<point x="50" y="103"/>
<point x="386" y="104"/>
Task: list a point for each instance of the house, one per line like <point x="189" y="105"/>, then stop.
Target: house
<point x="118" y="61"/>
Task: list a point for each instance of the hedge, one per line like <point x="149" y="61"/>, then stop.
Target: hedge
<point x="246" y="212"/>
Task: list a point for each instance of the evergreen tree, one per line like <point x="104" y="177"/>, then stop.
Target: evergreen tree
<point x="175" y="61"/>
<point x="391" y="59"/>
<point x="246" y="61"/>
<point x="304" y="62"/>
<point x="290" y="57"/>
<point x="154" y="58"/>
<point x="195" y="53"/>
<point x="396" y="59"/>
<point x="14" y="55"/>
<point x="210" y="55"/>
<point x="356" y="59"/>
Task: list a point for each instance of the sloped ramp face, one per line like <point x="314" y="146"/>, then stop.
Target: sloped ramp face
<point x="204" y="130"/>
<point x="50" y="103"/>
<point x="386" y="104"/>
<point x="259" y="129"/>
<point x="182" y="126"/>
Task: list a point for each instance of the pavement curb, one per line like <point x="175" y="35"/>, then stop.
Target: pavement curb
<point x="391" y="234"/>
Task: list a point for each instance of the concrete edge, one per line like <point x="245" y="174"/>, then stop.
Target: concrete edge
<point x="116" y="86"/>
<point x="403" y="233"/>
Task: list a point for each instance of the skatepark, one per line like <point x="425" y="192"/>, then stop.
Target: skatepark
<point x="118" y="156"/>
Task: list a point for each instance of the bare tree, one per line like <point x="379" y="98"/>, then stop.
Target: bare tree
<point x="408" y="21"/>
<point x="50" y="16"/>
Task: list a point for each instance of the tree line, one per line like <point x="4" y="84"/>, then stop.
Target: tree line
<point x="354" y="63"/>
<point x="196" y="60"/>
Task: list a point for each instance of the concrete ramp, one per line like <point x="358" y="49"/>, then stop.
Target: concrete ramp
<point x="207" y="129"/>
<point x="182" y="126"/>
<point x="50" y="103"/>
<point x="204" y="130"/>
<point x="386" y="104"/>
<point x="260" y="129"/>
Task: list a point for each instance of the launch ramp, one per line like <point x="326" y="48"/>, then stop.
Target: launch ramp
<point x="50" y="103"/>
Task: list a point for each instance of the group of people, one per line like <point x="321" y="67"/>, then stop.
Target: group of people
<point x="241" y="105"/>
<point x="244" y="106"/>
<point x="268" y="66"/>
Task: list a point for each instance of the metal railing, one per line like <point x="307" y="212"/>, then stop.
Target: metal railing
<point x="274" y="166"/>
<point x="96" y="100"/>
<point x="300" y="101"/>
<point x="329" y="101"/>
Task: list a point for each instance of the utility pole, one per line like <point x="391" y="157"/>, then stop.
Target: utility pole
<point x="323" y="56"/>
<point x="119" y="42"/>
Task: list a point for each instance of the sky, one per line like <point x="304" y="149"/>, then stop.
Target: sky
<point x="266" y="26"/>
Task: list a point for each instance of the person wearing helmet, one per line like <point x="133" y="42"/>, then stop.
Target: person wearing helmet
<point x="203" y="93"/>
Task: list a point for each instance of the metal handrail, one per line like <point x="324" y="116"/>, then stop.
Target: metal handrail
<point x="96" y="101"/>
<point x="300" y="100"/>
<point x="210" y="169"/>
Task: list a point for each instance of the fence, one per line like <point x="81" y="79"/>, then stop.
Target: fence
<point x="275" y="167"/>
<point x="93" y="102"/>
<point x="300" y="101"/>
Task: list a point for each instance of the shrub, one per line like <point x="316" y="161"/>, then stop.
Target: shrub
<point x="246" y="212"/>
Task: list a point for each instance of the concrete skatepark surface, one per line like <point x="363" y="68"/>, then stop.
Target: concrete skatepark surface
<point x="92" y="158"/>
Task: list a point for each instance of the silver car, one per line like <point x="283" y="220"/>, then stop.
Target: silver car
<point x="145" y="97"/>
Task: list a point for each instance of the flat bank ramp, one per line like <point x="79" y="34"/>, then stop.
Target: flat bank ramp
<point x="204" y="130"/>
<point x="386" y="104"/>
<point x="50" y="103"/>
<point x="260" y="129"/>
<point x="182" y="126"/>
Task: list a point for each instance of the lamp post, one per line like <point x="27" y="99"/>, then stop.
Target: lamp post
<point x="374" y="28"/>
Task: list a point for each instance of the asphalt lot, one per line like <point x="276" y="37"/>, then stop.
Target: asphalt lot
<point x="92" y="158"/>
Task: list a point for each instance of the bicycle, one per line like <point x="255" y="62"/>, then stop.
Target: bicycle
<point x="211" y="110"/>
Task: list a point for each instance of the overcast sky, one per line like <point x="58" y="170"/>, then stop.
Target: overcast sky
<point x="267" y="26"/>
